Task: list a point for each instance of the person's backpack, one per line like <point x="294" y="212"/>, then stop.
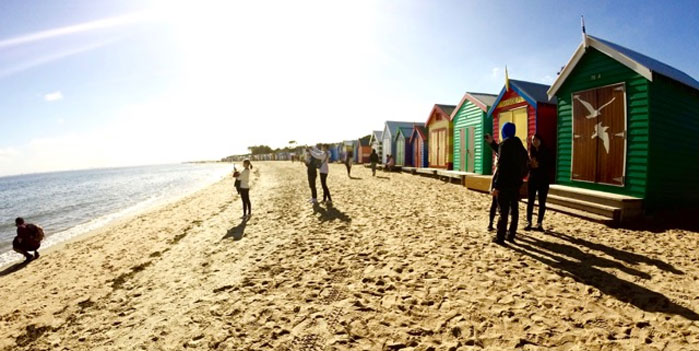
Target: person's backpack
<point x="37" y="232"/>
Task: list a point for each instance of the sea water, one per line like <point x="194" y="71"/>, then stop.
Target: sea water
<point x="71" y="203"/>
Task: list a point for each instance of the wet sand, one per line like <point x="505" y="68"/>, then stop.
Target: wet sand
<point x="400" y="262"/>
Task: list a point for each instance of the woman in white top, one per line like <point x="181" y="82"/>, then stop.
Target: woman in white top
<point x="244" y="177"/>
<point x="323" y="156"/>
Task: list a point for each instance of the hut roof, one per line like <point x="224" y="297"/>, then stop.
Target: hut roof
<point x="640" y="63"/>
<point x="481" y="100"/>
<point x="364" y="141"/>
<point x="392" y="125"/>
<point x="533" y="93"/>
<point x="405" y="131"/>
<point x="419" y="131"/>
<point x="447" y="109"/>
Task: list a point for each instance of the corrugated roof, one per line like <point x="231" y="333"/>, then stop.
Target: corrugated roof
<point x="486" y="99"/>
<point x="447" y="108"/>
<point x="396" y="124"/>
<point x="536" y="91"/>
<point x="364" y="141"/>
<point x="652" y="64"/>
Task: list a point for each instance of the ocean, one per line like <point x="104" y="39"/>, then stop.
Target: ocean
<point x="70" y="203"/>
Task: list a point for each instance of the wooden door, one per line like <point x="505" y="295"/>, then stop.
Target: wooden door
<point x="432" y="150"/>
<point x="442" y="145"/>
<point x="462" y="149"/>
<point x="599" y="135"/>
<point x="610" y="134"/>
<point x="470" y="150"/>
<point x="521" y="124"/>
<point x="584" y="148"/>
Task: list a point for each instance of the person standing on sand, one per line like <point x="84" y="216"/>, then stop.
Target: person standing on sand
<point x="323" y="157"/>
<point x="373" y="160"/>
<point x="348" y="161"/>
<point x="511" y="169"/>
<point x="538" y="182"/>
<point x="29" y="237"/>
<point x="244" y="188"/>
<point x="311" y="174"/>
<point x="494" y="201"/>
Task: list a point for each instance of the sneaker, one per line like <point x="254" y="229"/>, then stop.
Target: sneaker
<point x="528" y="227"/>
<point x="490" y="228"/>
<point x="511" y="239"/>
<point x="498" y="241"/>
<point x="539" y="227"/>
<point x="36" y="254"/>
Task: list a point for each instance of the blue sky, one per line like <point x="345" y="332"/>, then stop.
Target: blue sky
<point x="98" y="84"/>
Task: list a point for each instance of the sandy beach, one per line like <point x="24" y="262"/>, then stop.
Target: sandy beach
<point x="400" y="262"/>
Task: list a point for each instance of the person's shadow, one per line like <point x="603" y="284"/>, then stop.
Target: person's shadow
<point x="557" y="256"/>
<point x="331" y="213"/>
<point x="628" y="257"/>
<point x="355" y="178"/>
<point x="236" y="233"/>
<point x="14" y="268"/>
<point x="382" y="177"/>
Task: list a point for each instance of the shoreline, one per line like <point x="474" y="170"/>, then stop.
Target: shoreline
<point x="103" y="223"/>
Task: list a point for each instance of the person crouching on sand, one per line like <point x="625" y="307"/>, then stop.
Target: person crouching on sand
<point x="29" y="237"/>
<point x="244" y="188"/>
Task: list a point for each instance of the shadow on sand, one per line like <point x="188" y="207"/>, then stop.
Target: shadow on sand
<point x="236" y="233"/>
<point x="355" y="178"/>
<point x="621" y="255"/>
<point x="660" y="221"/>
<point x="13" y="268"/>
<point x="331" y="213"/>
<point x="556" y="256"/>
<point x="381" y="177"/>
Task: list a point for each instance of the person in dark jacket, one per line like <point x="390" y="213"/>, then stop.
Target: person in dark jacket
<point x="311" y="174"/>
<point x="373" y="160"/>
<point x="538" y="181"/>
<point x="28" y="238"/>
<point x="512" y="158"/>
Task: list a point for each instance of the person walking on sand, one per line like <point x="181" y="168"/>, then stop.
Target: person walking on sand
<point x="311" y="164"/>
<point x="373" y="160"/>
<point x="323" y="156"/>
<point x="538" y="181"/>
<point x="244" y="188"/>
<point x="511" y="169"/>
<point x="348" y="162"/>
<point x="29" y="237"/>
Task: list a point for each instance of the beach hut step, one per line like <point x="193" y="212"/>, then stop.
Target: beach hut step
<point x="611" y="212"/>
<point x="628" y="203"/>
<point x="579" y="213"/>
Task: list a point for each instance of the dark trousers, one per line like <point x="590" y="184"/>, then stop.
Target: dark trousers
<point x="540" y="190"/>
<point x="326" y="191"/>
<point x="312" y="183"/>
<point x="374" y="168"/>
<point x="493" y="210"/>
<point x="507" y="203"/>
<point x="348" y="165"/>
<point x="245" y="197"/>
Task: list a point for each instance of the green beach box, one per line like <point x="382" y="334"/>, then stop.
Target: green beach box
<point x="470" y="123"/>
<point x="627" y="124"/>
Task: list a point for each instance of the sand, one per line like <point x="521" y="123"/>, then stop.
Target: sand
<point x="400" y="262"/>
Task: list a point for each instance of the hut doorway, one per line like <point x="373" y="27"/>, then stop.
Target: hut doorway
<point x="470" y="150"/>
<point x="517" y="116"/>
<point x="599" y="135"/>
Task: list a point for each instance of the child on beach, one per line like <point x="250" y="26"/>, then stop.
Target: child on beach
<point x="244" y="188"/>
<point x="29" y="237"/>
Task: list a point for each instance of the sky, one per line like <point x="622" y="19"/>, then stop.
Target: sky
<point x="91" y="84"/>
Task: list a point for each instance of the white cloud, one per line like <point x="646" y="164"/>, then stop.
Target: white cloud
<point x="55" y="96"/>
<point x="495" y="71"/>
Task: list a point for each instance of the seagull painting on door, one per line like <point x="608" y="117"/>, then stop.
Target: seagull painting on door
<point x="599" y="132"/>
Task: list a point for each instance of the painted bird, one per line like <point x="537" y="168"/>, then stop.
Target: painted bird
<point x="592" y="112"/>
<point x="602" y="133"/>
